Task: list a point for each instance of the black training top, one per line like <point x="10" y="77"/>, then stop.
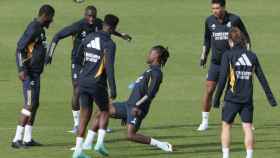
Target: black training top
<point x="31" y="48"/>
<point x="78" y="30"/>
<point x="146" y="88"/>
<point x="96" y="55"/>
<point x="216" y="34"/>
<point x="238" y="66"/>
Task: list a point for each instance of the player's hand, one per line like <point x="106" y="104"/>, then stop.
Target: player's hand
<point x="216" y="104"/>
<point x="22" y="75"/>
<point x="126" y="37"/>
<point x="48" y="60"/>
<point x="203" y="62"/>
<point x="136" y="112"/>
<point x="113" y="96"/>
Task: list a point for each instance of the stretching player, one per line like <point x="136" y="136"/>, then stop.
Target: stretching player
<point x="238" y="66"/>
<point x="96" y="55"/>
<point x="135" y="109"/>
<point x="79" y="30"/>
<point x="217" y="27"/>
<point x="30" y="55"/>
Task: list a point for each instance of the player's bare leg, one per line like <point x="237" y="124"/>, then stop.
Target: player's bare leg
<point x="27" y="138"/>
<point x="84" y="119"/>
<point x="102" y="123"/>
<point x="225" y="139"/>
<point x="132" y="135"/>
<point x="17" y="140"/>
<point x="75" y="107"/>
<point x="206" y="104"/>
<point x="248" y="139"/>
<point x="95" y="126"/>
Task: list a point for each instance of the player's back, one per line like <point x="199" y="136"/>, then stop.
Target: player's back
<point x="94" y="48"/>
<point x="242" y="66"/>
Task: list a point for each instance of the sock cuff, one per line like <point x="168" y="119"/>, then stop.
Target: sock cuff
<point x="28" y="126"/>
<point x="20" y="127"/>
<point x="225" y="149"/>
<point x="75" y="112"/>
<point x="205" y="113"/>
<point x="102" y="131"/>
<point x="249" y="150"/>
<point x="91" y="132"/>
<point x="154" y="142"/>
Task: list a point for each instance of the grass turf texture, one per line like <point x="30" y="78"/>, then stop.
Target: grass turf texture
<point x="175" y="113"/>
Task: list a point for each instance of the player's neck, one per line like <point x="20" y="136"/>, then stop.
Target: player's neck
<point x="222" y="17"/>
<point x="155" y="63"/>
<point x="40" y="20"/>
<point x="107" y="30"/>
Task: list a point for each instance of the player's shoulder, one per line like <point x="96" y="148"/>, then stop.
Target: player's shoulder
<point x="98" y="21"/>
<point x="233" y="16"/>
<point x="34" y="26"/>
<point x="156" y="70"/>
<point x="79" y="22"/>
<point x="210" y="19"/>
<point x="251" y="54"/>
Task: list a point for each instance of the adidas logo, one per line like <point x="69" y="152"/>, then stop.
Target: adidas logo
<point x="213" y="26"/>
<point x="94" y="44"/>
<point x="243" y="61"/>
<point x="229" y="24"/>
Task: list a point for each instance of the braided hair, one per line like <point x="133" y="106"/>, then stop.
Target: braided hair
<point x="163" y="53"/>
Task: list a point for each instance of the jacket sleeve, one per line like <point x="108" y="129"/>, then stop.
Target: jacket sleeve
<point x="206" y="42"/>
<point x="264" y="84"/>
<point x="224" y="71"/>
<point x="109" y="53"/>
<point x="64" y="33"/>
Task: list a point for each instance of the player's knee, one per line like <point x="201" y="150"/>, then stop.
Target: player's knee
<point x="210" y="90"/>
<point x="26" y="111"/>
<point x="226" y="126"/>
<point x="247" y="127"/>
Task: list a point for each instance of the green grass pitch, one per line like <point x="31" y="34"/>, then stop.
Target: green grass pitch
<point x="175" y="113"/>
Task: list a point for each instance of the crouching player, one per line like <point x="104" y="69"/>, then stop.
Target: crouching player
<point x="134" y="110"/>
<point x="239" y="64"/>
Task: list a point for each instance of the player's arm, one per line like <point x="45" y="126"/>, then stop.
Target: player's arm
<point x="224" y="71"/>
<point x="124" y="36"/>
<point x="109" y="53"/>
<point x="21" y="53"/>
<point x="206" y="45"/>
<point x="156" y="78"/>
<point x="65" y="32"/>
<point x="264" y="83"/>
<point x="243" y="29"/>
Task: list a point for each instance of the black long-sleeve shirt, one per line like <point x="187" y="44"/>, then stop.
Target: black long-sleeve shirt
<point x="216" y="35"/>
<point x="31" y="48"/>
<point x="78" y="30"/>
<point x="96" y="55"/>
<point x="238" y="66"/>
<point x="146" y="88"/>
